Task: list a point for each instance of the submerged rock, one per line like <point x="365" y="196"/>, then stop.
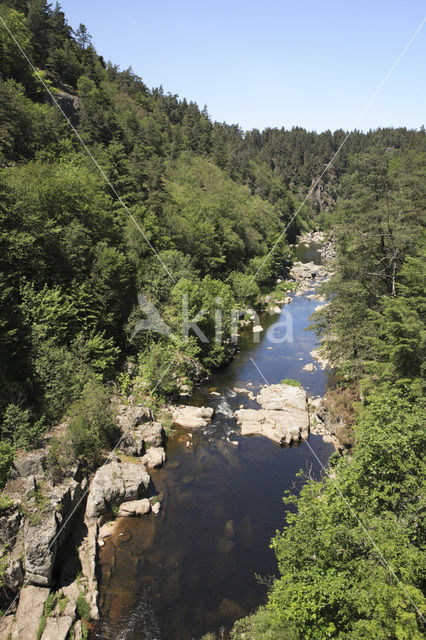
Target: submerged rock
<point x="230" y="610"/>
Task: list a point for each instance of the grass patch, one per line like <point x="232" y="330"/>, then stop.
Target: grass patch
<point x="82" y="607"/>
<point x="130" y="459"/>
<point x="291" y="382"/>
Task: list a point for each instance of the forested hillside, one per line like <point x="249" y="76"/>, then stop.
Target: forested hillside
<point x="154" y="197"/>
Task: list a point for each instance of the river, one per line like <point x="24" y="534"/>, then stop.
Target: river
<point x="192" y="568"/>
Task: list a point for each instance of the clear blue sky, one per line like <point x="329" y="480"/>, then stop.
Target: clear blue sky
<point x="265" y="63"/>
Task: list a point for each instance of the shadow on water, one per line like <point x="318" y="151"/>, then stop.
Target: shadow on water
<point x="191" y="569"/>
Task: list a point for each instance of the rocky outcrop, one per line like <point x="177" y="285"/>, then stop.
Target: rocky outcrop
<point x="113" y="484"/>
<point x="13" y="574"/>
<point x="154" y="457"/>
<point x="88" y="556"/>
<point x="57" y="628"/>
<point x="135" y="441"/>
<point x="318" y="355"/>
<point x="284" y="416"/>
<point x="46" y="531"/>
<point x="9" y="528"/>
<point x="311" y="236"/>
<point x="192" y="417"/>
<point x="70" y="105"/>
<point x="131" y="416"/>
<point x="134" y="508"/>
<point x="29" y="463"/>
<point x="33" y="535"/>
<point x="30" y="609"/>
<point x="325" y="425"/>
<point x="40" y="549"/>
<point x="328" y="250"/>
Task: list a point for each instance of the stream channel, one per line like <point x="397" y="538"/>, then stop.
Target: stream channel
<point x="192" y="568"/>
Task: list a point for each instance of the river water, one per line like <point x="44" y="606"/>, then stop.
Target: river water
<point x="192" y="568"/>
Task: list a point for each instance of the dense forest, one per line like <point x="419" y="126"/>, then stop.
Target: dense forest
<point x="137" y="190"/>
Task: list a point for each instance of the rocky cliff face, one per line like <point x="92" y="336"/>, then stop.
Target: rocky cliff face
<point x="46" y="521"/>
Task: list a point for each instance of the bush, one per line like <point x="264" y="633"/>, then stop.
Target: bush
<point x="20" y="429"/>
<point x="60" y="455"/>
<point x="83" y="607"/>
<point x="92" y="427"/>
<point x="7" y="453"/>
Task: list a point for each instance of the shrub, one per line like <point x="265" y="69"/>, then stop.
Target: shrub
<point x="92" y="427"/>
<point x="20" y="429"/>
<point x="7" y="453"/>
<point x="83" y="607"/>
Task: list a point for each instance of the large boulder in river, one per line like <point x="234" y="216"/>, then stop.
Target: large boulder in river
<point x="115" y="483"/>
<point x="284" y="416"/>
<point x="134" y="508"/>
<point x="282" y="396"/>
<point x="283" y="427"/>
<point x="307" y="271"/>
<point x="192" y="417"/>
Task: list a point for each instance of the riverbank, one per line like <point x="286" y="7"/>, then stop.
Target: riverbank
<point x="130" y="478"/>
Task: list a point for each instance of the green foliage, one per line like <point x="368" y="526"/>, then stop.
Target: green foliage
<point x="212" y="202"/>
<point x="7" y="453"/>
<point x="83" y="607"/>
<point x="18" y="427"/>
<point x="168" y="365"/>
<point x="290" y="381"/>
<point x="92" y="427"/>
<point x="125" y="383"/>
<point x="6" y="503"/>
<point x="371" y="253"/>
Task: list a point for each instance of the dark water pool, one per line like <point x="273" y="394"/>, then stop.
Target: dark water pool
<point x="192" y="569"/>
